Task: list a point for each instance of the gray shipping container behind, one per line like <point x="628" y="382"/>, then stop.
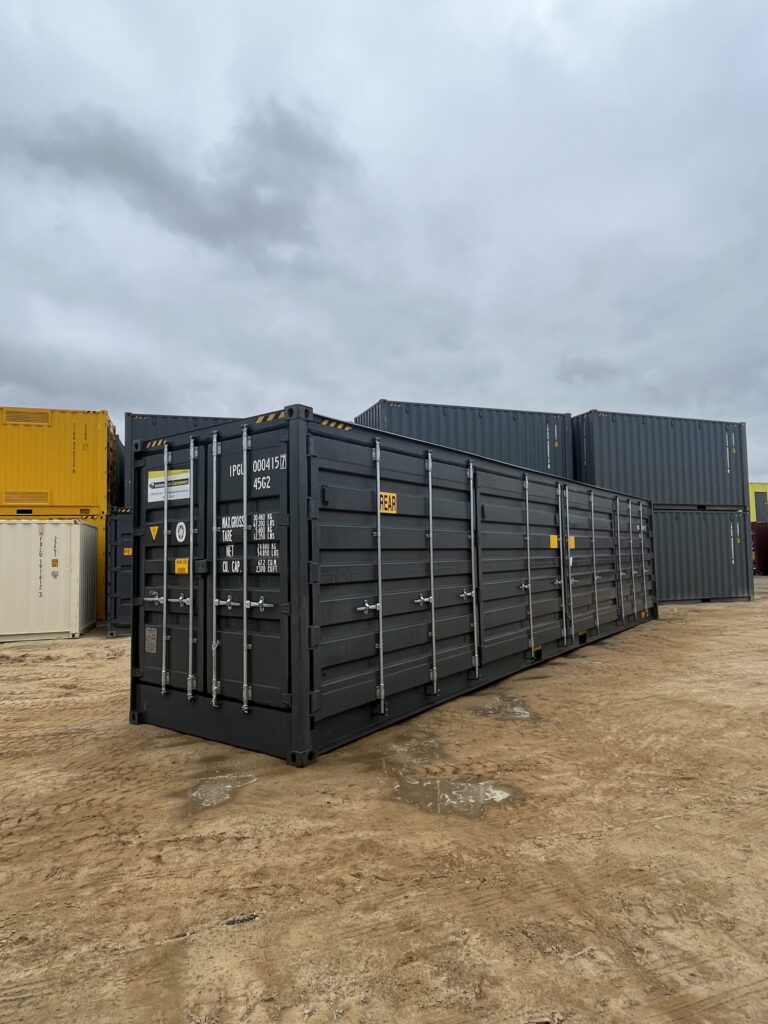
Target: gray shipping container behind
<point x="536" y="440"/>
<point x="141" y="426"/>
<point x="703" y="556"/>
<point x="119" y="571"/>
<point x="668" y="460"/>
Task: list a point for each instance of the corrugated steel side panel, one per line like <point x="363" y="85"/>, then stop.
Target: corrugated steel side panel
<point x="668" y="460"/>
<point x="119" y="571"/>
<point x="702" y="556"/>
<point x="141" y="426"/>
<point x="84" y="617"/>
<point x="48" y="572"/>
<point x="758" y="502"/>
<point x="56" y="462"/>
<point x="536" y="440"/>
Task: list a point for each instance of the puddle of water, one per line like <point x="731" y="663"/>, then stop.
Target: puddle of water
<point x="468" y="798"/>
<point x="508" y="709"/>
<point x="216" y="790"/>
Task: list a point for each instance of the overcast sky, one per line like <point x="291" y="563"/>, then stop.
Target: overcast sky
<point x="224" y="208"/>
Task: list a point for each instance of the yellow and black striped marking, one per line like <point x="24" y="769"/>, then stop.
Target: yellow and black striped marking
<point x="157" y="443"/>
<point x="337" y="424"/>
<point x="269" y="417"/>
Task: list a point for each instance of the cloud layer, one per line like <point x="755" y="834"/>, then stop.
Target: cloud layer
<point x="541" y="205"/>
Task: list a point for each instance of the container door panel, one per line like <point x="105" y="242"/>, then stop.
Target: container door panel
<point x="247" y="594"/>
<point x="401" y="601"/>
<point x="171" y="613"/>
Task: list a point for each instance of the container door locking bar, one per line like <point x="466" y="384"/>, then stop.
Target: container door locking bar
<point x="473" y="560"/>
<point x="642" y="554"/>
<point x="632" y="558"/>
<point x="595" y="577"/>
<point x="618" y="549"/>
<point x="191" y="680"/>
<point x="431" y="599"/>
<point x="164" y="662"/>
<point x="246" y="602"/>
<point x="215" y="682"/>
<point x="570" y="562"/>
<point x="527" y="584"/>
<point x="560" y="581"/>
<point x="380" y="689"/>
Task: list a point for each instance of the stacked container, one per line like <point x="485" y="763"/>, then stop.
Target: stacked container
<point x="61" y="464"/>
<point x="695" y="473"/>
<point x="537" y="440"/>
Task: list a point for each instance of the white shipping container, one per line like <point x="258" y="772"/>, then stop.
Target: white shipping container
<point x="47" y="578"/>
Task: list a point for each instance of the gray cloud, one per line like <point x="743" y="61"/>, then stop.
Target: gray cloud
<point x="257" y="195"/>
<point x="532" y="206"/>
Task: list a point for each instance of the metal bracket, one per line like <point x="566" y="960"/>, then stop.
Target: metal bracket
<point x="365" y="608"/>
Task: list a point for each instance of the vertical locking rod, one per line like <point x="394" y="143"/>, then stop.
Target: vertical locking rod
<point x="433" y="673"/>
<point x="632" y="558"/>
<point x="560" y="546"/>
<point x="215" y="685"/>
<point x="618" y="548"/>
<point x="642" y="555"/>
<point x="594" y="558"/>
<point x="473" y="557"/>
<point x="570" y="561"/>
<point x="164" y="656"/>
<point x="191" y="626"/>
<point x="379" y="577"/>
<point x="529" y="582"/>
<point x="246" y="602"/>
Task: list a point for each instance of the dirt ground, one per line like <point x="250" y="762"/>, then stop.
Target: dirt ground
<point x="586" y="842"/>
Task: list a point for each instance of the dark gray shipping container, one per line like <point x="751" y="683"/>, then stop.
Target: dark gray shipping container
<point x="140" y="426"/>
<point x="381" y="577"/>
<point x="119" y="571"/>
<point x="703" y="556"/>
<point x="536" y="440"/>
<point x="668" y="460"/>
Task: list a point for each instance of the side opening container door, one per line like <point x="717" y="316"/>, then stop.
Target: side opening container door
<point x="392" y="570"/>
<point x="247" y="597"/>
<point x="523" y="595"/>
<point x="171" y="614"/>
<point x="606" y="573"/>
<point x="579" y="540"/>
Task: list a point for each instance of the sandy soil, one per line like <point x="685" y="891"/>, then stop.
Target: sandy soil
<point x="586" y="842"/>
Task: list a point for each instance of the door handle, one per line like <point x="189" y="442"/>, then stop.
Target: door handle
<point x="421" y="600"/>
<point x="365" y="608"/>
<point x="260" y="605"/>
<point x="229" y="603"/>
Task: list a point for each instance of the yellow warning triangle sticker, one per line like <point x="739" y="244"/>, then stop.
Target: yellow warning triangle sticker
<point x="154" y="531"/>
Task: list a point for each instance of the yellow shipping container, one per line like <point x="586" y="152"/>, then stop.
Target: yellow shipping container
<point x="755" y="489"/>
<point x="56" y="463"/>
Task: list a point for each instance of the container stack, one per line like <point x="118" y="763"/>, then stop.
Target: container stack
<point x="695" y="473"/>
<point x="538" y="440"/>
<point x="61" y="464"/>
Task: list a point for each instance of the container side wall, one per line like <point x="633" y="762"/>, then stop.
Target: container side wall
<point x="703" y="556"/>
<point x="119" y="571"/>
<point x="55" y="462"/>
<point x="666" y="460"/>
<point x="539" y="440"/>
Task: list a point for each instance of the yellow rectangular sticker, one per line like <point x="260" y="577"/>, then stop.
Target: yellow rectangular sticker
<point x="127" y="552"/>
<point x="571" y="542"/>
<point x="388" y="503"/>
<point x="181" y="566"/>
<point x="554" y="541"/>
<point x="55" y="563"/>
